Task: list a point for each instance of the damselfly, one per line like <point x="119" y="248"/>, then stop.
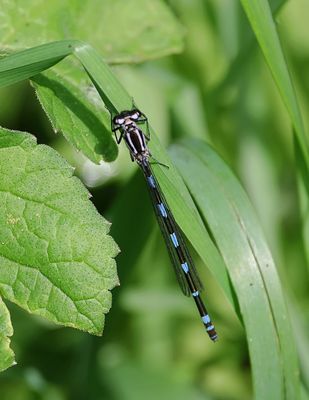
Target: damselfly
<point x="136" y="140"/>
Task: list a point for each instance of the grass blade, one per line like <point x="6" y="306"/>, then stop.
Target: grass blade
<point x="27" y="63"/>
<point x="260" y="17"/>
<point x="236" y="231"/>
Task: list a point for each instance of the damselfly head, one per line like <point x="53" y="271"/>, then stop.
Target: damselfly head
<point x="124" y="116"/>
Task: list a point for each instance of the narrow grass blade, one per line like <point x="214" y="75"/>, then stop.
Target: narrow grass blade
<point x="110" y="89"/>
<point x="236" y="231"/>
<point x="27" y="63"/>
<point x="260" y="17"/>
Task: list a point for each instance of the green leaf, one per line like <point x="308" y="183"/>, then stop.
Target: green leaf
<point x="79" y="111"/>
<point x="84" y="123"/>
<point x="6" y="330"/>
<point x="56" y="257"/>
<point x="148" y="29"/>
<point x="237" y="233"/>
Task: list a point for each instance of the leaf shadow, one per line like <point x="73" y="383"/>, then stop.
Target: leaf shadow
<point x="106" y="146"/>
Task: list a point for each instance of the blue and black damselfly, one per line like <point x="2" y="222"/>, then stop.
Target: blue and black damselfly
<point x="126" y="123"/>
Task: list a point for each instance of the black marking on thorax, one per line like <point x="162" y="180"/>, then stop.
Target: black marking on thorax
<point x="134" y="138"/>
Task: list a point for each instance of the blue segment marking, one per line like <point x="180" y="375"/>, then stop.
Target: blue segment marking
<point x="162" y="210"/>
<point x="195" y="294"/>
<point x="174" y="239"/>
<point x="206" y="319"/>
<point x="210" y="328"/>
<point x="151" y="181"/>
<point x="185" y="267"/>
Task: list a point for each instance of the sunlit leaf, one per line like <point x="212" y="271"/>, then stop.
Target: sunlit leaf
<point x="56" y="257"/>
<point x="82" y="122"/>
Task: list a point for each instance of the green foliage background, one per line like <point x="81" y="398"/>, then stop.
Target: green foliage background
<point x="197" y="71"/>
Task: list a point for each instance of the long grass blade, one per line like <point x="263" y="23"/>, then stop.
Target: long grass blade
<point x="236" y="231"/>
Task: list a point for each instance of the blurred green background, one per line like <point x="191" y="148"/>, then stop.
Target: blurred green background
<point x="218" y="89"/>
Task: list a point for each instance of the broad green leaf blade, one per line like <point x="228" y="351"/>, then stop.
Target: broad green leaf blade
<point x="82" y="122"/>
<point x="78" y="117"/>
<point x="27" y="63"/>
<point x="236" y="231"/>
<point x="148" y="29"/>
<point x="260" y="17"/>
<point x="56" y="257"/>
<point x="6" y="330"/>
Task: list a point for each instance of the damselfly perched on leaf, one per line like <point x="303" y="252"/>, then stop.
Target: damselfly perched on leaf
<point x="136" y="140"/>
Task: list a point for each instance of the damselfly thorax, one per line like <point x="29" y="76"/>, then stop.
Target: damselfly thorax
<point x="135" y="139"/>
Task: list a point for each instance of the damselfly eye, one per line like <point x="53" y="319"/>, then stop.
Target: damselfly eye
<point x="119" y="121"/>
<point x="135" y="115"/>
